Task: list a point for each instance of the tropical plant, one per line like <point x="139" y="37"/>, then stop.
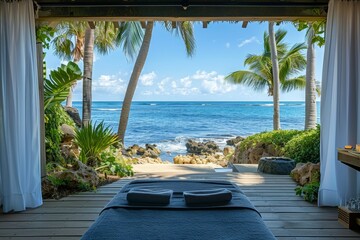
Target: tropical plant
<point x="261" y="75"/>
<point x="56" y="88"/>
<point x="112" y="162"/>
<point x="184" y="29"/>
<point x="93" y="139"/>
<point x="310" y="190"/>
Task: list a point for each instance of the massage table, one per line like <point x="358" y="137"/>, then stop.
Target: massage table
<point x="237" y="219"/>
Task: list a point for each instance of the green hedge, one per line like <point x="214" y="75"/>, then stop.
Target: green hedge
<point x="305" y="147"/>
<point x="278" y="138"/>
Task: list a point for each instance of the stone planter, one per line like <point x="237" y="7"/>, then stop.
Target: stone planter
<point x="276" y="165"/>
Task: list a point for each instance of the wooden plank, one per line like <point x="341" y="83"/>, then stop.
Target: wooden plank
<point x="72" y="232"/>
<point x="288" y="216"/>
<point x="244" y="24"/>
<point x="47" y="224"/>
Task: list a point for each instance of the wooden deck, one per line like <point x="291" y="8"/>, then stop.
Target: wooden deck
<point x="288" y="216"/>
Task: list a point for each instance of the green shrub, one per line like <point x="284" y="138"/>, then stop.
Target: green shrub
<point x="305" y="147"/>
<point x="308" y="191"/>
<point x="113" y="163"/>
<point x="93" y="140"/>
<point x="278" y="138"/>
<point x="56" y="116"/>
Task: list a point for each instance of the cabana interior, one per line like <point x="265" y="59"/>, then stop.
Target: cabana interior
<point x="20" y="113"/>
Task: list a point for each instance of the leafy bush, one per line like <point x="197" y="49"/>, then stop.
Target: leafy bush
<point x="305" y="147"/>
<point x="278" y="138"/>
<point x="310" y="190"/>
<point x="93" y="140"/>
<point x="56" y="116"/>
<point x="112" y="162"/>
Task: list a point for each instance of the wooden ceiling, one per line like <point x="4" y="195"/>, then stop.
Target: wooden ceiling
<point x="181" y="10"/>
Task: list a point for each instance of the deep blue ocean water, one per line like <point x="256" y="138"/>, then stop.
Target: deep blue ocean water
<point x="170" y="124"/>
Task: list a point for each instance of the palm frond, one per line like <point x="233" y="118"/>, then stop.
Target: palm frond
<point x="293" y="84"/>
<point x="187" y="33"/>
<point x="105" y="35"/>
<point x="129" y="37"/>
<point x="57" y="88"/>
<point x="248" y="78"/>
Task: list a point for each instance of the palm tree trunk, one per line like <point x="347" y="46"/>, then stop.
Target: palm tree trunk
<point x="139" y="64"/>
<point x="310" y="89"/>
<point x="69" y="98"/>
<point x="276" y="79"/>
<point x="87" y="81"/>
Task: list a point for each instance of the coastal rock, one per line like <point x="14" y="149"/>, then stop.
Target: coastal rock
<point x="200" y="148"/>
<point x="253" y="154"/>
<point x="306" y="173"/>
<point x="69" y="150"/>
<point x="234" y="141"/>
<point x="144" y="160"/>
<point x="218" y="159"/>
<point x="150" y="150"/>
<point x="74" y="115"/>
<point x="78" y="177"/>
<point x="276" y="165"/>
<point x="68" y="133"/>
<point x="228" y="151"/>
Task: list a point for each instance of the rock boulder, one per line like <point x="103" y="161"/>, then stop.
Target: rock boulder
<point x="201" y="148"/>
<point x="306" y="173"/>
<point x="234" y="141"/>
<point x="74" y="115"/>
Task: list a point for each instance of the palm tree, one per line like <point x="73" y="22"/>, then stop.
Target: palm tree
<point x="260" y="74"/>
<point x="102" y="38"/>
<point x="276" y="77"/>
<point x="314" y="35"/>
<point x="69" y="44"/>
<point x="310" y="90"/>
<point x="185" y="29"/>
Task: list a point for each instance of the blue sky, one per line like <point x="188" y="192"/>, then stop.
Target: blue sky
<point x="169" y="75"/>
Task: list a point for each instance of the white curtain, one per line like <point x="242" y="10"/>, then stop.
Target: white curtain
<point x="20" y="180"/>
<point x="340" y="102"/>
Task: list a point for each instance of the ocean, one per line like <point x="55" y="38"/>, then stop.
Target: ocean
<point x="170" y="124"/>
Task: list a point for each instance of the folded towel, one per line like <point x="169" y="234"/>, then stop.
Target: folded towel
<point x="220" y="196"/>
<point x="153" y="196"/>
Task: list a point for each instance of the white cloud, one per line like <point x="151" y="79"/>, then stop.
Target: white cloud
<point x="173" y="84"/>
<point x="248" y="41"/>
<point x="213" y="83"/>
<point x="147" y="93"/>
<point x="109" y="83"/>
<point x="186" y="91"/>
<point x="148" y="78"/>
<point x="227" y="45"/>
<point x="186" y="82"/>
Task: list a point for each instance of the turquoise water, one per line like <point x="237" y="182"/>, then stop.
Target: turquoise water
<point x="170" y="124"/>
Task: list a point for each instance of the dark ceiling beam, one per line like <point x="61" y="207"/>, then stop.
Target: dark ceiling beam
<point x="176" y="13"/>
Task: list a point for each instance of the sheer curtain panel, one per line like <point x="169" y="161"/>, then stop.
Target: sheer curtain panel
<point x="20" y="181"/>
<point x="340" y="102"/>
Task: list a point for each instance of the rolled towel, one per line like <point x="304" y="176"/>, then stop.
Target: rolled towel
<point x="221" y="196"/>
<point x="143" y="196"/>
